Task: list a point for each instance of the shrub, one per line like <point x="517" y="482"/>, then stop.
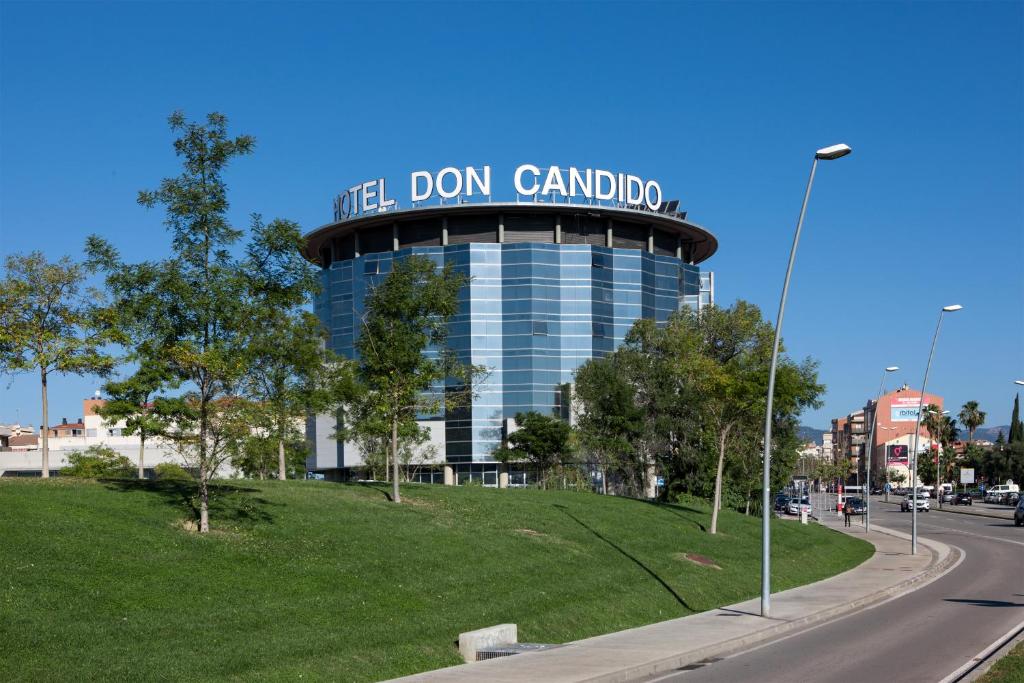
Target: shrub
<point x="96" y="462"/>
<point x="172" y="472"/>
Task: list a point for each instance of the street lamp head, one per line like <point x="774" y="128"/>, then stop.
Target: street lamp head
<point x="951" y="309"/>
<point x="833" y="152"/>
<point x="892" y="368"/>
<point x="1019" y="381"/>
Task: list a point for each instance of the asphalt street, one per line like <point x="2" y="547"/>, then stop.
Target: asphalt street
<point x="922" y="636"/>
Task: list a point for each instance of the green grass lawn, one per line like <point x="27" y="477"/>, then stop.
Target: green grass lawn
<point x="1009" y="669"/>
<point x="102" y="580"/>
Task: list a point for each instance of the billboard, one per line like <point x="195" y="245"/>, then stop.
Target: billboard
<point x="904" y="409"/>
<point x="966" y="475"/>
<point x="897" y="454"/>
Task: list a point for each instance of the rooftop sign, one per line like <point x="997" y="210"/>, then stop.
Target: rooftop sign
<point x="529" y="181"/>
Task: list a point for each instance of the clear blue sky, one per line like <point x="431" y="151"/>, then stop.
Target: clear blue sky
<point x="723" y="103"/>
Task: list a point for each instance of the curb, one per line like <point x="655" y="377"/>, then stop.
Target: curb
<point x="944" y="559"/>
<point x="986" y="659"/>
<point x="989" y="515"/>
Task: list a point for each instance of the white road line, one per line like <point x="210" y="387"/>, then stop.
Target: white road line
<point x="946" y="529"/>
<point x="775" y="641"/>
<point x="984" y="654"/>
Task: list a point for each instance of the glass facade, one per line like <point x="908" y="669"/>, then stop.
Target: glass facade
<point x="532" y="313"/>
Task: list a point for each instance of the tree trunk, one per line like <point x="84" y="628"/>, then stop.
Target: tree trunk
<point x="204" y="473"/>
<point x="46" y="428"/>
<point x="142" y="452"/>
<point x="604" y="480"/>
<point x="395" y="495"/>
<point x="204" y="501"/>
<point x="717" y="502"/>
<point x="281" y="474"/>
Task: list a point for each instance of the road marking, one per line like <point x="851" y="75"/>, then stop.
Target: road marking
<point x="974" y="535"/>
<point x="858" y="610"/>
<point x="979" y="658"/>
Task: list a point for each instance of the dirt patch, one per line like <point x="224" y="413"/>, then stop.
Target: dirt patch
<point x="529" y="532"/>
<point x="700" y="560"/>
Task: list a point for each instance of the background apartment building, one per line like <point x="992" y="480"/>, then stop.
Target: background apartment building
<point x="23" y="456"/>
<point x="893" y="440"/>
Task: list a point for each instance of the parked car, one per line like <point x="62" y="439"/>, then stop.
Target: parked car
<point x="1013" y="498"/>
<point x="948" y="496"/>
<point x="923" y="503"/>
<point x="858" y="506"/>
<point x="963" y="499"/>
<point x="1018" y="514"/>
<point x="794" y="506"/>
<point x="1000" y="492"/>
<point x="781" y="501"/>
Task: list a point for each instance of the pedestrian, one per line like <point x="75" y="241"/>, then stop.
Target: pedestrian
<point x="847" y="511"/>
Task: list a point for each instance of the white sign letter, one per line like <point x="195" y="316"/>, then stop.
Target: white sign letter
<point x="416" y="195"/>
<point x="368" y="194"/>
<point x="598" y="176"/>
<point x="576" y="181"/>
<point x="526" y="168"/>
<point x="633" y="182"/>
<point x="554" y="182"/>
<point x="652" y="204"/>
<point x="473" y="177"/>
<point x="440" y="182"/>
<point x="385" y="203"/>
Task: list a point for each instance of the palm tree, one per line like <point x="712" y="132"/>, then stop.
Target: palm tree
<point x="933" y="421"/>
<point x="971" y="418"/>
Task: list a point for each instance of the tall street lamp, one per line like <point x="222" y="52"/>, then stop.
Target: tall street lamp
<point x="827" y="154"/>
<point x="870" y="447"/>
<point x="885" y="455"/>
<point x="917" y="430"/>
<point x="938" y="457"/>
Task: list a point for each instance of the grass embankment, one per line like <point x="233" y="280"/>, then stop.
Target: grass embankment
<point x="102" y="580"/>
<point x="1009" y="669"/>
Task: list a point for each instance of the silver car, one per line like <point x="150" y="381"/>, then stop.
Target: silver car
<point x="923" y="504"/>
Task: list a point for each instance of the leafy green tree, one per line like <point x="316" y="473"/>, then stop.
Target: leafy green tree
<point x="898" y="477"/>
<point x="258" y="456"/>
<point x="971" y="417"/>
<point x="546" y="442"/>
<point x="669" y="431"/>
<point x="50" y="325"/>
<point x="200" y="306"/>
<point x="290" y="374"/>
<point x="610" y="422"/>
<point x="926" y="466"/>
<point x="170" y="471"/>
<point x="404" y="359"/>
<point x="96" y="462"/>
<point x="130" y="400"/>
<point x="724" y="354"/>
<point x="1016" y="426"/>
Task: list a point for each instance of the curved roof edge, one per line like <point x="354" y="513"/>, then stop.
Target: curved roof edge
<point x="706" y="244"/>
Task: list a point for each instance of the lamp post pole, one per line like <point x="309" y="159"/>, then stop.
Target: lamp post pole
<point x="917" y="430"/>
<point x="870" y="447"/>
<point x="827" y="153"/>
<point x="938" y="459"/>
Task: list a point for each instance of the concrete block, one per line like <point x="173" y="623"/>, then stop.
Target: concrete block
<point x="470" y="642"/>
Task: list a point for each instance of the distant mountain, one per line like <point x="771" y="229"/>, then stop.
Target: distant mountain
<point x="811" y="434"/>
<point x="987" y="433"/>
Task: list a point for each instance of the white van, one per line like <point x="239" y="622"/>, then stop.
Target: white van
<point x="993" y="494"/>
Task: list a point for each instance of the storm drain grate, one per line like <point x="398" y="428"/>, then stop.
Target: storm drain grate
<point x="511" y="649"/>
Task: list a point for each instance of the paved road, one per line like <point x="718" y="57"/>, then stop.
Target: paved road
<point x="922" y="636"/>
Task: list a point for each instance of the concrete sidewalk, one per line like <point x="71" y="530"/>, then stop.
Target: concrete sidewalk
<point x="669" y="645"/>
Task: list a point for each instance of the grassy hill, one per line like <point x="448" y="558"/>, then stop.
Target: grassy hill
<point x="103" y="580"/>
